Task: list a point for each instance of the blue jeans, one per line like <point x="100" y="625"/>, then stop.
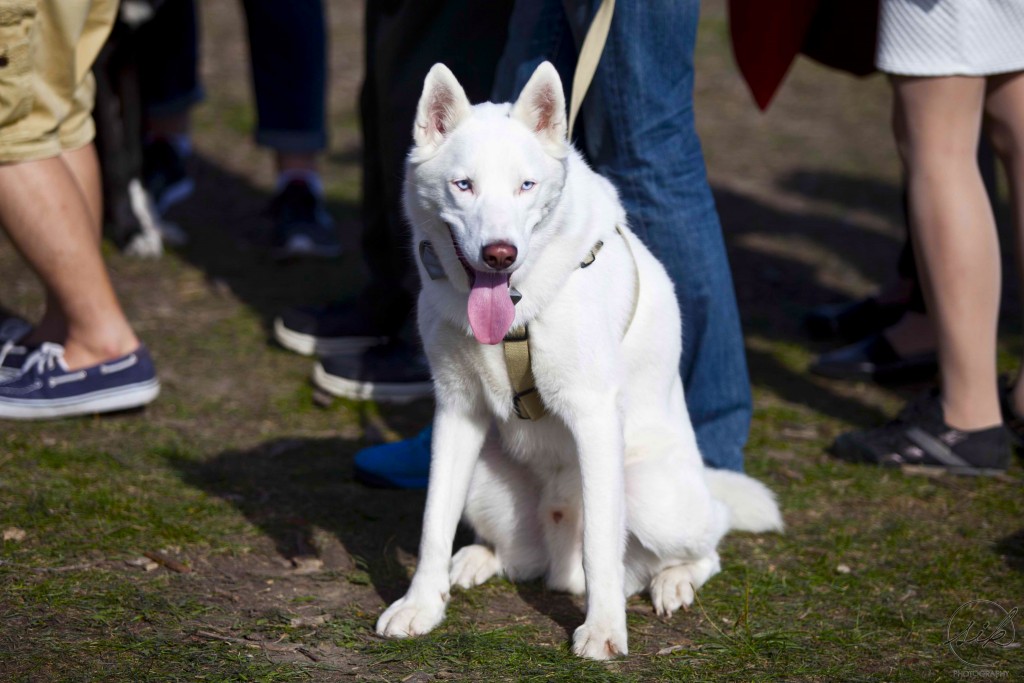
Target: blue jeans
<point x="288" y="49"/>
<point x="638" y="131"/>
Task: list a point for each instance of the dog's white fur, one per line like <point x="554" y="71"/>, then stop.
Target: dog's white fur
<point x="607" y="495"/>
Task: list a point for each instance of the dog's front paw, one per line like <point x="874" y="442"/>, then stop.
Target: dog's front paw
<point x="601" y="640"/>
<point x="671" y="589"/>
<point x="473" y="565"/>
<point x="411" y="616"/>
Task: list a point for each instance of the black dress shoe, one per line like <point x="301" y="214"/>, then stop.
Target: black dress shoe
<point x="873" y="359"/>
<point x="851" y="320"/>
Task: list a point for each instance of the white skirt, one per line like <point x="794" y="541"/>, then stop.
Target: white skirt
<point x="950" y="37"/>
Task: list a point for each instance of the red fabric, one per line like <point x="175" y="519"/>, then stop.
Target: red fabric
<point x="766" y="37"/>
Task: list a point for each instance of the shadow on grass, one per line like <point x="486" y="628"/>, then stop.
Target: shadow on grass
<point x="291" y="488"/>
<point x="230" y="233"/>
<point x="1011" y="548"/>
<point x="776" y="288"/>
<point x="559" y="607"/>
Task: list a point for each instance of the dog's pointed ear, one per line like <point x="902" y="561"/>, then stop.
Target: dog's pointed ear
<point x="442" y="106"/>
<point x="541" y="105"/>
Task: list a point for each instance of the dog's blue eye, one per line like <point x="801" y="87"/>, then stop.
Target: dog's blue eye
<point x="463" y="185"/>
<point x="527" y="185"/>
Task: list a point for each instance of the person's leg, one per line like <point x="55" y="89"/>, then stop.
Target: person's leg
<point x="51" y="222"/>
<point x="404" y="39"/>
<point x="167" y="59"/>
<point x="937" y="124"/>
<point x="1004" y="106"/>
<point x="288" y="45"/>
<point x="639" y="127"/>
<point x="84" y="167"/>
<point x="288" y="49"/>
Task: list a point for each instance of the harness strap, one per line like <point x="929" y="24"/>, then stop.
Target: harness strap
<point x="526" y="400"/>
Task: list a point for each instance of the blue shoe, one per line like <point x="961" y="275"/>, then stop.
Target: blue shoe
<point x="46" y="388"/>
<point x="399" y="465"/>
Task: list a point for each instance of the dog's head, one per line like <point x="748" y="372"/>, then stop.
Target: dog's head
<point x="480" y="182"/>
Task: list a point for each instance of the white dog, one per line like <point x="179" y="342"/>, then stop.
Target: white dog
<point x="605" y="494"/>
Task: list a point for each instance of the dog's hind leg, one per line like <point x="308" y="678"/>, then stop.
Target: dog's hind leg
<point x="561" y="515"/>
<point x="502" y="509"/>
<point x="678" y="524"/>
<point x="670" y="509"/>
<point x="675" y="586"/>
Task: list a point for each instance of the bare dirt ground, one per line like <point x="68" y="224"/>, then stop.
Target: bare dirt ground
<point x="237" y="474"/>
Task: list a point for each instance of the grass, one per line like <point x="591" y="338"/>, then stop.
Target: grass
<point x="237" y="474"/>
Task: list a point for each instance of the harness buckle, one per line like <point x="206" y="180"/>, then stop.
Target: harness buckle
<point x="520" y="407"/>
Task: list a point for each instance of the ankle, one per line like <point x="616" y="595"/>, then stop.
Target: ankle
<point x="971" y="416"/>
<point x="82" y="353"/>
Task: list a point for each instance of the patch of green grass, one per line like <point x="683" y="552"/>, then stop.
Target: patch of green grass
<point x="503" y="654"/>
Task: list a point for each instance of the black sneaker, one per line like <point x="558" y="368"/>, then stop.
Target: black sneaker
<point x="345" y="327"/>
<point x="302" y="226"/>
<point x="164" y="175"/>
<point x="920" y="437"/>
<point x="396" y="372"/>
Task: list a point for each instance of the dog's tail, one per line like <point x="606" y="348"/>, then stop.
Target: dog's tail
<point x="752" y="505"/>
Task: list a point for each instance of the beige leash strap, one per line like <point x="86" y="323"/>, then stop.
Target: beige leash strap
<point x="525" y="398"/>
<point x="590" y="55"/>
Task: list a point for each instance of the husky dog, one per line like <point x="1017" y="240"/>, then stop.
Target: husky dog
<point x="605" y="494"/>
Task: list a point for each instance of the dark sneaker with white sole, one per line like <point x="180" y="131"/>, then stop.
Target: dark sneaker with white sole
<point x="165" y="176"/>
<point x="919" y="437"/>
<point x="45" y="388"/>
<point x="396" y="372"/>
<point x="340" y="328"/>
<point x="302" y="226"/>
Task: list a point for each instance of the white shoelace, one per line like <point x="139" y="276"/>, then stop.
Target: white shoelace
<point x="45" y="358"/>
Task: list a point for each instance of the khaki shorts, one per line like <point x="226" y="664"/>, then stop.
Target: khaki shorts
<point x="47" y="48"/>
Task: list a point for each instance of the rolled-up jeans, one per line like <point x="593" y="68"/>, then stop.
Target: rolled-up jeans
<point x="638" y="131"/>
<point x="288" y="47"/>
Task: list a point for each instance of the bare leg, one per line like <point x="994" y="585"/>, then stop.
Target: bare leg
<point x="84" y="166"/>
<point x="46" y="213"/>
<point x="1005" y="108"/>
<point x="937" y="124"/>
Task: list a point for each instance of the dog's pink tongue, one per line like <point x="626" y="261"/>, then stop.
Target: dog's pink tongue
<point x="490" y="307"/>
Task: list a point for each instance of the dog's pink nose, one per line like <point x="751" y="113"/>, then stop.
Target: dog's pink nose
<point x="500" y="255"/>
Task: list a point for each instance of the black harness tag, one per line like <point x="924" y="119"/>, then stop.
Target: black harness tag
<point x="431" y="263"/>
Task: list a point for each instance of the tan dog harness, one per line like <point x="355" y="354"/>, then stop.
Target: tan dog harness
<point x="526" y="400"/>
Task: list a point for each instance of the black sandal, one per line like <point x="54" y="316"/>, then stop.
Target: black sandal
<point x="920" y="438"/>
